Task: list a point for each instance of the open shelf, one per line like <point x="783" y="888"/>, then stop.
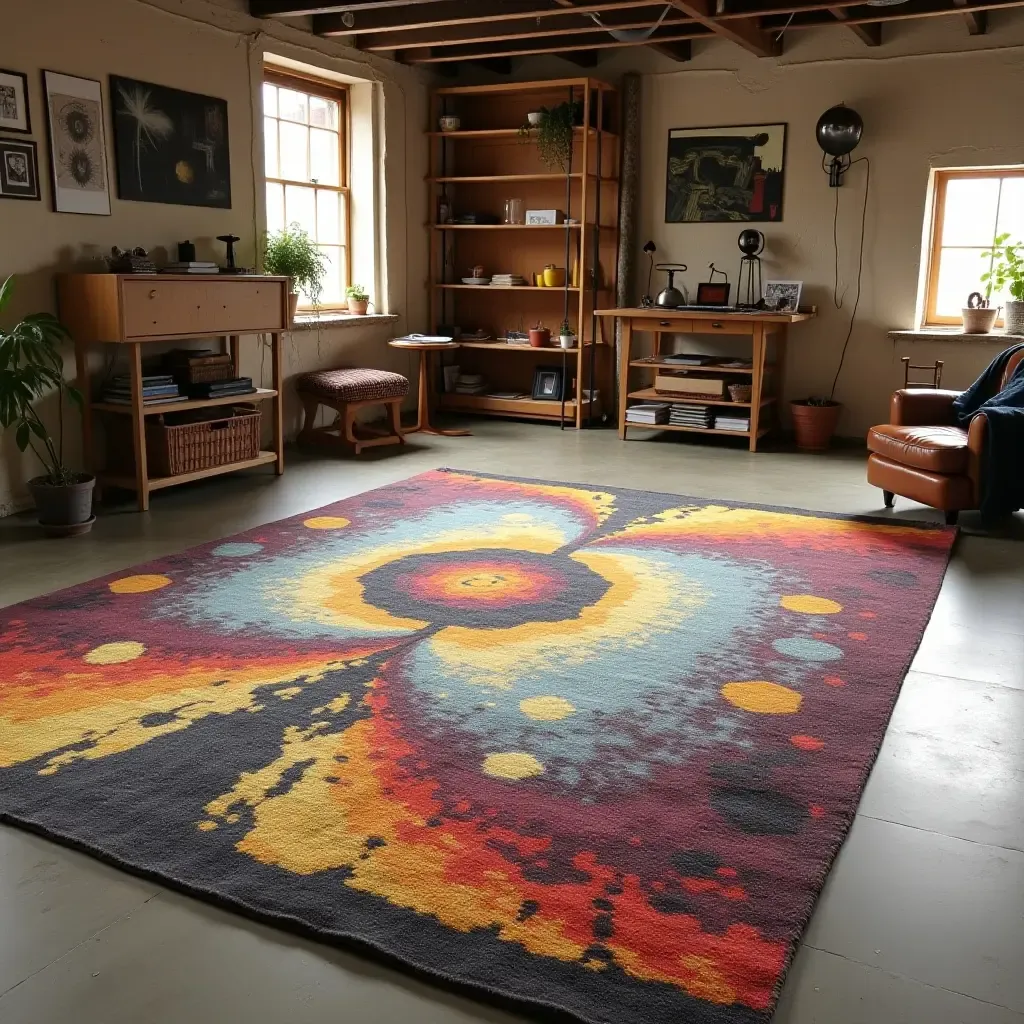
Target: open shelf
<point x="691" y="369"/>
<point x="505" y="133"/>
<point x="530" y="408"/>
<point x="260" y="395"/>
<point x="696" y="430"/>
<point x="505" y="346"/>
<point x="507" y="288"/>
<point x="156" y="482"/>
<point x="650" y="395"/>
<point x="486" y="179"/>
<point x="512" y="227"/>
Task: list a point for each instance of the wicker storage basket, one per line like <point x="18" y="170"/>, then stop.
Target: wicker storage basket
<point x="740" y="392"/>
<point x="228" y="435"/>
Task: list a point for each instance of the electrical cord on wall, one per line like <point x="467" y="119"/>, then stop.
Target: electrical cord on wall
<point x="860" y="266"/>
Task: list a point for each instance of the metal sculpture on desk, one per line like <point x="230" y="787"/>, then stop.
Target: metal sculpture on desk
<point x="229" y="241"/>
<point x="751" y="243"/>
<point x="649" y="249"/>
<point x="671" y="297"/>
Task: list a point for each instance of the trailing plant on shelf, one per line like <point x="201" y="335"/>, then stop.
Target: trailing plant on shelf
<point x="554" y="134"/>
<point x="292" y="253"/>
<point x="31" y="367"/>
<point x="1006" y="274"/>
<point x="358" y="299"/>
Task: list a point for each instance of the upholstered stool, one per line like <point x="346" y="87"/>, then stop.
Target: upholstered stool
<point x="346" y="392"/>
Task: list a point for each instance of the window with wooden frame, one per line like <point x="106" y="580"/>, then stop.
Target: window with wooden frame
<point x="970" y="209"/>
<point x="305" y="135"/>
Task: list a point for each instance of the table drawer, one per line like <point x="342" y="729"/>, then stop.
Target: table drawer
<point x="155" y="308"/>
<point x="722" y="327"/>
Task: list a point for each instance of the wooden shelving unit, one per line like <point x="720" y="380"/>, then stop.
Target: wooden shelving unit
<point x="477" y="168"/>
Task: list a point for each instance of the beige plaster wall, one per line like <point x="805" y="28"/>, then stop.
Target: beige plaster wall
<point x="212" y="48"/>
<point x="930" y="96"/>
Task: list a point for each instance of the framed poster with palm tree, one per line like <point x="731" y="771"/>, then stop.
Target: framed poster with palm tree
<point x="170" y="146"/>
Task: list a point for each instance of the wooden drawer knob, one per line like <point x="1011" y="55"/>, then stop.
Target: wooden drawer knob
<point x="716" y="324"/>
<point x="152" y="293"/>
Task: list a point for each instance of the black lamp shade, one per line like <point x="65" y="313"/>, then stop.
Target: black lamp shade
<point x="751" y="242"/>
<point x="839" y="130"/>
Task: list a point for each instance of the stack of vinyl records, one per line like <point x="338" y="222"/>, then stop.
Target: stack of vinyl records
<point x="222" y="388"/>
<point x="470" y="384"/>
<point x="691" y="416"/>
<point x="157" y="389"/>
<point x="649" y="412"/>
<point x="740" y="424"/>
<point x="507" y="281"/>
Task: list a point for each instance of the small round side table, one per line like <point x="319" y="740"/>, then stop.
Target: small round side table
<point x="423" y="424"/>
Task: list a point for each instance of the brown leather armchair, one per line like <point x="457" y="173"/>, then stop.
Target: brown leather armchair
<point x="922" y="454"/>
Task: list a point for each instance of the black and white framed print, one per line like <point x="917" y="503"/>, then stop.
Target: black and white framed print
<point x="14" y="116"/>
<point x="783" y="296"/>
<point x="548" y="383"/>
<point x="19" y="170"/>
<point x="170" y="146"/>
<point x="78" y="147"/>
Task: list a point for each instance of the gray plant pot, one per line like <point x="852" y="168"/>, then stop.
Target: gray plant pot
<point x="64" y="510"/>
<point x="1014" y="317"/>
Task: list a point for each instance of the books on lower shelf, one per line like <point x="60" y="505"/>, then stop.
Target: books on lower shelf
<point x="222" y="388"/>
<point x="470" y="384"/>
<point x="156" y="389"/>
<point x="740" y="424"/>
<point x="691" y="416"/>
<point x="648" y="412"/>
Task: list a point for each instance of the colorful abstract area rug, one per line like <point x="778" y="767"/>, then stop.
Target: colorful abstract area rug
<point x="588" y="751"/>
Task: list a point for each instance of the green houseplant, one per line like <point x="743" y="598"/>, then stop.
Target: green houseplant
<point x="292" y="253"/>
<point x="554" y="133"/>
<point x="31" y="367"/>
<point x="1007" y="275"/>
<point x="358" y="299"/>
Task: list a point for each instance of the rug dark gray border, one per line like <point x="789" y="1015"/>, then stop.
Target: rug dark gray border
<point x="697" y="1011"/>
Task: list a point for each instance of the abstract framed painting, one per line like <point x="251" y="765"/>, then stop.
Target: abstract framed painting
<point x="725" y="174"/>
<point x="19" y="170"/>
<point x="78" y="148"/>
<point x="170" y="146"/>
<point x="14" y="113"/>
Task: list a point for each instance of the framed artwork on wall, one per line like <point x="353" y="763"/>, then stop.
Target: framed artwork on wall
<point x="14" y="116"/>
<point x="19" y="170"/>
<point x="78" y="147"/>
<point x="170" y="146"/>
<point x="725" y="174"/>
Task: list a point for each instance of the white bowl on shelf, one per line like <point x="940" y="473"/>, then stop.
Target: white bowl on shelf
<point x="476" y="280"/>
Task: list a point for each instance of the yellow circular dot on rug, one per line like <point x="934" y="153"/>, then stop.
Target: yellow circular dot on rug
<point x="763" y="698"/>
<point x="139" y="584"/>
<point x="327" y="523"/>
<point x="116" y="653"/>
<point x="514" y="765"/>
<point x="546" y="709"/>
<point x="810" y="605"/>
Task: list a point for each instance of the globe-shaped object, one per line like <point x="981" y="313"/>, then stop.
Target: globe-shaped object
<point x="751" y="242"/>
<point x="839" y="130"/>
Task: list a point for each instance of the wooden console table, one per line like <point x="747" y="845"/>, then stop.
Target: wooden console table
<point x="765" y="331"/>
<point x="138" y="309"/>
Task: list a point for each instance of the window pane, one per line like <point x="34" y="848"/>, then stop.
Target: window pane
<point x="294" y="153"/>
<point x="275" y="207"/>
<point x="323" y="157"/>
<point x="269" y="99"/>
<point x="334" y="292"/>
<point x="300" y="208"/>
<point x="328" y="217"/>
<point x="270" y="146"/>
<point x="960" y="273"/>
<point x="293" y="105"/>
<point x="970" y="214"/>
<point x="323" y="113"/>
<point x="1011" y="209"/>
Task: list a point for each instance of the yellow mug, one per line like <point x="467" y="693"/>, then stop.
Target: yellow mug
<point x="554" y="277"/>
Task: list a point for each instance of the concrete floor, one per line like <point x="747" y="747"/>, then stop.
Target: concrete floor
<point x="922" y="918"/>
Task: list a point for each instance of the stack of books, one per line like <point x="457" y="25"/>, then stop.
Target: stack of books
<point x="507" y="281"/>
<point x="157" y="389"/>
<point x="470" y="384"/>
<point x="725" y="421"/>
<point x="688" y="359"/>
<point x="648" y="412"/>
<point x="222" y="388"/>
<point x="191" y="268"/>
<point x="691" y="416"/>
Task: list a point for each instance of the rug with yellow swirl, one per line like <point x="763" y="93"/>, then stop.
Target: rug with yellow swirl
<point x="585" y="750"/>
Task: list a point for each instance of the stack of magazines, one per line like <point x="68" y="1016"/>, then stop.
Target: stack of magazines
<point x="195" y="267"/>
<point x="222" y="388"/>
<point x="740" y="424"/>
<point x="691" y="416"/>
<point x="470" y="384"/>
<point x="649" y="412"/>
<point x="157" y="389"/>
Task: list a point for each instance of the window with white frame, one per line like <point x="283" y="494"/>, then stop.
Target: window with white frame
<point x="971" y="209"/>
<point x="305" y="135"/>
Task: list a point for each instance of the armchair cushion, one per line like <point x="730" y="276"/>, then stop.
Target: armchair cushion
<point x="923" y="407"/>
<point x="936" y="449"/>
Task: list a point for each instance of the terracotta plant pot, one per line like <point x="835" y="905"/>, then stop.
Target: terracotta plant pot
<point x="293" y="306"/>
<point x="979" y="321"/>
<point x="64" y="510"/>
<point x="814" y="425"/>
<point x="357" y="307"/>
<point x="540" y="337"/>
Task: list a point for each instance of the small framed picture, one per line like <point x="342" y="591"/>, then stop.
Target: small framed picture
<point x="19" y="170"/>
<point x="14" y="103"/>
<point x="783" y="296"/>
<point x="548" y="383"/>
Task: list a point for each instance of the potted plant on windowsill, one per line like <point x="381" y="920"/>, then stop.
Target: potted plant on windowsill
<point x="293" y="254"/>
<point x="31" y="366"/>
<point x="1007" y="275"/>
<point x="358" y="299"/>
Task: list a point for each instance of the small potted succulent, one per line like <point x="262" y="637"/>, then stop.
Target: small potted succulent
<point x="292" y="253"/>
<point x="358" y="299"/>
<point x="566" y="338"/>
<point x="1007" y="275"/>
<point x="31" y="366"/>
<point x="540" y="336"/>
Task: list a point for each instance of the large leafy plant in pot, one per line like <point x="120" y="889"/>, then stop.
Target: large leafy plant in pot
<point x="31" y="367"/>
<point x="292" y="253"/>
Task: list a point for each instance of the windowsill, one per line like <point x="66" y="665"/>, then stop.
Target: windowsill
<point x="953" y="334"/>
<point x="311" y="321"/>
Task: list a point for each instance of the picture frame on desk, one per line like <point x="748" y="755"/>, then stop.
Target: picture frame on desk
<point x="783" y="296"/>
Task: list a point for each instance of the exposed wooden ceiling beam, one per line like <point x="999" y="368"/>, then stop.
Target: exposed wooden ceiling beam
<point x="745" y="32"/>
<point x="869" y="35"/>
<point x="977" y="21"/>
<point x="901" y="14"/>
<point x="299" y="8"/>
<point x="681" y="52"/>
